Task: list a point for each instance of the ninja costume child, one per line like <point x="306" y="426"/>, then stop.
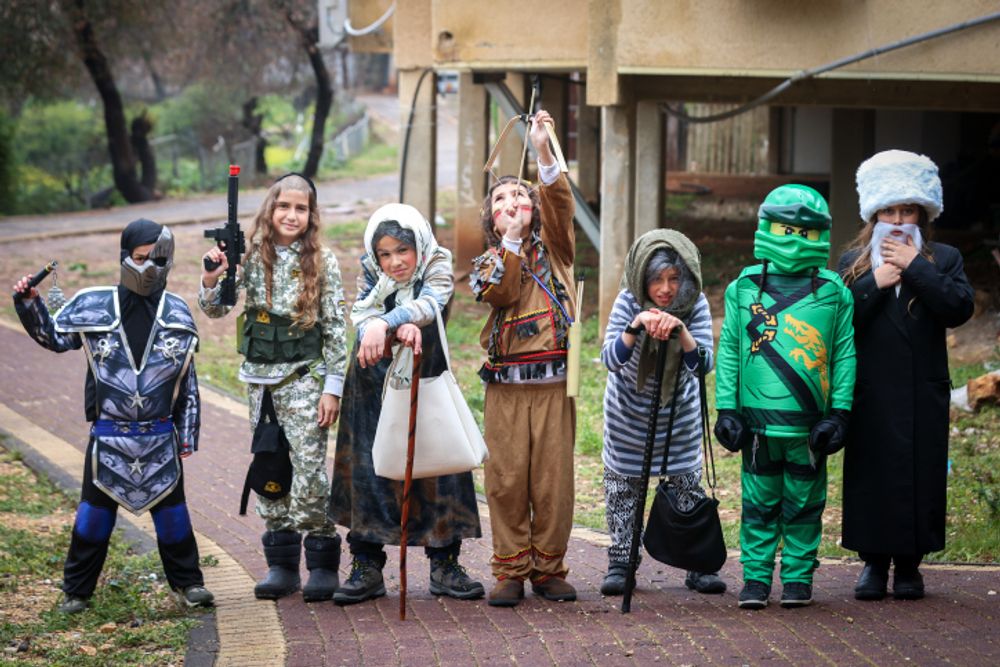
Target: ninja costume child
<point x="141" y="397"/>
<point x="784" y="386"/>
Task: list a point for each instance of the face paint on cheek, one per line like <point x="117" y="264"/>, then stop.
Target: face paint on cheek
<point x="524" y="208"/>
<point x="497" y="213"/>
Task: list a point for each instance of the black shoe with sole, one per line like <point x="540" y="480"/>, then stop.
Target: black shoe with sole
<point x="872" y="582"/>
<point x="708" y="583"/>
<point x="614" y="580"/>
<point x="796" y="594"/>
<point x="754" y="595"/>
<point x="364" y="583"/>
<point x="907" y="584"/>
<point x="283" y="551"/>
<point x="322" y="561"/>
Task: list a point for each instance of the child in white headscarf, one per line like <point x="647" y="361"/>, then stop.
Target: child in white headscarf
<point x="405" y="277"/>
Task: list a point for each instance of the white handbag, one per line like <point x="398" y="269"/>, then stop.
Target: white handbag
<point x="448" y="440"/>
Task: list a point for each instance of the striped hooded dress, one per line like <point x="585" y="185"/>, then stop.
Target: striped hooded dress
<point x="626" y="411"/>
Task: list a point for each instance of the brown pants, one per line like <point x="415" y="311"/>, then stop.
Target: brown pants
<point x="530" y="432"/>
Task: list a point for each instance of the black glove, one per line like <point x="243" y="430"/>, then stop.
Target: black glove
<point x="730" y="430"/>
<point x="827" y="436"/>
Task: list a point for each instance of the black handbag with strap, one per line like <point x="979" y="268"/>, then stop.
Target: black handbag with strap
<point x="687" y="539"/>
<point x="270" y="473"/>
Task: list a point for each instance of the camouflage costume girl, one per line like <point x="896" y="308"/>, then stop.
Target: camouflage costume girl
<point x="294" y="296"/>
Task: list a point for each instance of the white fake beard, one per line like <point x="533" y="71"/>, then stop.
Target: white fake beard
<point x="883" y="230"/>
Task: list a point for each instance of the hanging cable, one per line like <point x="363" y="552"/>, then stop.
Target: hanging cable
<point x="810" y="73"/>
<point x="361" y="32"/>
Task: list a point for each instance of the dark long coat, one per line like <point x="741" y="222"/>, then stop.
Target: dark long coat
<point x="896" y="457"/>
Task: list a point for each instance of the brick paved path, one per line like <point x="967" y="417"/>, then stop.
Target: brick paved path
<point x="956" y="624"/>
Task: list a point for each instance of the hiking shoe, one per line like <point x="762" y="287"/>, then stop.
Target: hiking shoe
<point x="754" y="594"/>
<point x="364" y="583"/>
<point x="907" y="584"/>
<point x="796" y="594"/>
<point x="71" y="604"/>
<point x="195" y="596"/>
<point x="614" y="580"/>
<point x="555" y="589"/>
<point x="708" y="583"/>
<point x="506" y="593"/>
<point x="449" y="578"/>
<point x="872" y="583"/>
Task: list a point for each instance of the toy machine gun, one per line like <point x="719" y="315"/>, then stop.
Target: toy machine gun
<point x="230" y="240"/>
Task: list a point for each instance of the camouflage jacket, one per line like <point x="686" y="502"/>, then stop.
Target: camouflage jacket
<point x="285" y="290"/>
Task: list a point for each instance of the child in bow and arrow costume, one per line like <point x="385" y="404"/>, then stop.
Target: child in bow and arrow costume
<point x="140" y="342"/>
<point x="784" y="386"/>
<point x="530" y="422"/>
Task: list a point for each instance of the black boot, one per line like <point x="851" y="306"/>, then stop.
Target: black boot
<point x="614" y="580"/>
<point x="282" y="549"/>
<point x="322" y="561"/>
<point x="872" y="582"/>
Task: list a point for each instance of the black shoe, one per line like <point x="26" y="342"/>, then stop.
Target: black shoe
<point x="449" y="578"/>
<point x="796" y="594"/>
<point x="195" y="596"/>
<point x="614" y="580"/>
<point x="283" y="551"/>
<point x="754" y="594"/>
<point x="707" y="583"/>
<point x="72" y="604"/>
<point x="364" y="583"/>
<point x="322" y="561"/>
<point x="872" y="582"/>
<point x="907" y="584"/>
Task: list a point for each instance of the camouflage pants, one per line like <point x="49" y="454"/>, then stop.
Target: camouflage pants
<point x="304" y="509"/>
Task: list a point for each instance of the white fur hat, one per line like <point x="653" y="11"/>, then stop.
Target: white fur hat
<point x="898" y="177"/>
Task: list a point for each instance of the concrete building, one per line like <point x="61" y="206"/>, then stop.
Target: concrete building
<point x="607" y="67"/>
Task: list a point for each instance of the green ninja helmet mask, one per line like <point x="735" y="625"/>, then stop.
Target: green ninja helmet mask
<point x="786" y="249"/>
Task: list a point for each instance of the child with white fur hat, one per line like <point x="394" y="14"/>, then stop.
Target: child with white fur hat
<point x="907" y="291"/>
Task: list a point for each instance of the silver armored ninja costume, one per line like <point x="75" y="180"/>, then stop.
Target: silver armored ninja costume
<point x="144" y="408"/>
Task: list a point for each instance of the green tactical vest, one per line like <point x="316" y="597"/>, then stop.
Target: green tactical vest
<point x="271" y="339"/>
<point x="786" y="350"/>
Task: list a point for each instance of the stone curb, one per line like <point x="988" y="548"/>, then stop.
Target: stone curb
<point x="249" y="630"/>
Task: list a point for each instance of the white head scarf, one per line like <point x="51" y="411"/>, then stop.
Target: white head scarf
<point x="373" y="304"/>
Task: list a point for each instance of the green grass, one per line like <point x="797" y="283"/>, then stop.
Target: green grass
<point x="132" y="619"/>
<point x="347" y="231"/>
<point x="377" y="158"/>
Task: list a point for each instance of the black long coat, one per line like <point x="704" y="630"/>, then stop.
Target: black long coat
<point x="896" y="458"/>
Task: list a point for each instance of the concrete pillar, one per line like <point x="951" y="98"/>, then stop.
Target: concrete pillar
<point x="473" y="149"/>
<point x="617" y="192"/>
<point x="510" y="155"/>
<point x="650" y="181"/>
<point x="419" y="176"/>
<point x="588" y="150"/>
<point x="853" y="139"/>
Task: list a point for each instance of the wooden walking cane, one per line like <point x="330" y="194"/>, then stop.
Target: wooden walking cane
<point x="647" y="462"/>
<point x="407" y="483"/>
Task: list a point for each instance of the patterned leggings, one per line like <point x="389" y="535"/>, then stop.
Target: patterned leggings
<point x="621" y="493"/>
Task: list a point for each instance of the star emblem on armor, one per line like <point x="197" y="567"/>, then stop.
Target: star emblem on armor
<point x="137" y="401"/>
<point x="135" y="468"/>
<point x="104" y="347"/>
<point x="170" y="348"/>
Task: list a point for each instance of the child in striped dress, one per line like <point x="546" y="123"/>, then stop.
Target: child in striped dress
<point x="661" y="293"/>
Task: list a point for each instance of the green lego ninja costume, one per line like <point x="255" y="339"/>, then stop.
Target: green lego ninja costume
<point x="785" y="381"/>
